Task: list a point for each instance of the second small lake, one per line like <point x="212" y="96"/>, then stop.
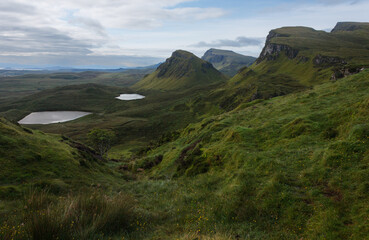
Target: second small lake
<point x="130" y="97"/>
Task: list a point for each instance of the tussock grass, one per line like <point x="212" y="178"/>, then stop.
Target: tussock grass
<point x="82" y="216"/>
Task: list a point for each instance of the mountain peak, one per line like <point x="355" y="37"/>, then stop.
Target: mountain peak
<point x="182" y="54"/>
<point x="182" y="70"/>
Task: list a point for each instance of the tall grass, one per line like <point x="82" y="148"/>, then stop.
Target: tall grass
<point x="81" y="216"/>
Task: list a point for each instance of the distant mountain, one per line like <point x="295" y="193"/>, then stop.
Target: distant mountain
<point x="350" y="26"/>
<point x="182" y="70"/>
<point x="227" y="62"/>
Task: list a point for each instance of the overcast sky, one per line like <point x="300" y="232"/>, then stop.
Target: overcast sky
<point x="117" y="33"/>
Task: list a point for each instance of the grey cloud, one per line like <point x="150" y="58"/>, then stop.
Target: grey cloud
<point x="238" y="42"/>
<point x="13" y="7"/>
<point x="90" y="23"/>
<point x="18" y="40"/>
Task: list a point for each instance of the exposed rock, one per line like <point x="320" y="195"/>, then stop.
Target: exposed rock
<point x="272" y="50"/>
<point x="344" y="72"/>
<point x="326" y="61"/>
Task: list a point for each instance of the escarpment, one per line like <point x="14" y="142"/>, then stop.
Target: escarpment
<point x="272" y="50"/>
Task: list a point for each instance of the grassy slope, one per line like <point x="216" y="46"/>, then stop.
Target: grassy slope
<point x="227" y="62"/>
<point x="285" y="168"/>
<point x="33" y="158"/>
<point x="180" y="72"/>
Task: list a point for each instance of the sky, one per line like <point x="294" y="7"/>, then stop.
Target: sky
<point x="131" y="33"/>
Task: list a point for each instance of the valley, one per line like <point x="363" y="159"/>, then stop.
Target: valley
<point x="220" y="147"/>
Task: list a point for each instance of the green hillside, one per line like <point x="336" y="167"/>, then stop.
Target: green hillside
<point x="292" y="167"/>
<point x="279" y="151"/>
<point x="227" y="62"/>
<point x="181" y="71"/>
<point x="295" y="58"/>
<point x="32" y="158"/>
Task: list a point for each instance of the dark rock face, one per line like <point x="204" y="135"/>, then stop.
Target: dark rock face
<point x="326" y="61"/>
<point x="344" y="72"/>
<point x="272" y="50"/>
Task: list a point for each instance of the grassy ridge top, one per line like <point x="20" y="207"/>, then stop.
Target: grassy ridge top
<point x="351" y="45"/>
<point x="227" y="62"/>
<point x="181" y="71"/>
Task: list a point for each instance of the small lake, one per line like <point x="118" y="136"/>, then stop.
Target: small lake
<point x="52" y="117"/>
<point x="130" y="97"/>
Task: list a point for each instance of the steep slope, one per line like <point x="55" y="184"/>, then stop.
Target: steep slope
<point x="181" y="71"/>
<point x="291" y="167"/>
<point x="32" y="158"/>
<point x="227" y="62"/>
<point x="295" y="58"/>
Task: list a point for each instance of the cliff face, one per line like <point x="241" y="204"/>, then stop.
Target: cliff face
<point x="272" y="50"/>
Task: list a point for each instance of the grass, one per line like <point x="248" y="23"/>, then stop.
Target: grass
<point x="83" y="216"/>
<point x="32" y="158"/>
<point x="290" y="167"/>
<point x="282" y="157"/>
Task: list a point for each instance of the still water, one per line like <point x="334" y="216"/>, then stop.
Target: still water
<point x="52" y="117"/>
<point x="129" y="97"/>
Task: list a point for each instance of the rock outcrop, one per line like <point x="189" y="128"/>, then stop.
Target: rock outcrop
<point x="344" y="72"/>
<point x="272" y="50"/>
<point x="328" y="61"/>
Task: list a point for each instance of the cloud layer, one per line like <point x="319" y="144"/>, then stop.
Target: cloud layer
<point x="84" y="28"/>
<point x="126" y="32"/>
